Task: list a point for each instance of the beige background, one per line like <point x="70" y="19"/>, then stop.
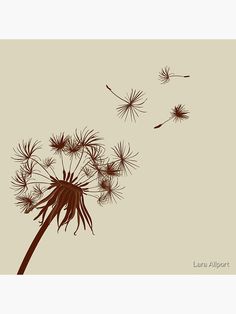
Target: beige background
<point x="179" y="206"/>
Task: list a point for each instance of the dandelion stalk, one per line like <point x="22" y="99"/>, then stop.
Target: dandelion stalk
<point x="64" y="198"/>
<point x="35" y="242"/>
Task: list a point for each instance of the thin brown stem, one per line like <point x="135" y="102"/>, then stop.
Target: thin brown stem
<point x="53" y="171"/>
<point x="86" y="181"/>
<point x="83" y="167"/>
<point x="39" y="174"/>
<point x="38" y="182"/>
<point x="35" y="242"/>
<point x="115" y="93"/>
<point x="37" y="162"/>
<point x="71" y="159"/>
<point x="159" y="125"/>
<point x="62" y="162"/>
<point x="79" y="160"/>
<point x="175" y="75"/>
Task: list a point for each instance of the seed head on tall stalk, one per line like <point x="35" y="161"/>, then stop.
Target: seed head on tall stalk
<point x="90" y="173"/>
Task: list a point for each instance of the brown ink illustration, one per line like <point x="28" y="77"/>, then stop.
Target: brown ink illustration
<point x="132" y="106"/>
<point x="165" y="75"/>
<point x="178" y="113"/>
<point x="89" y="174"/>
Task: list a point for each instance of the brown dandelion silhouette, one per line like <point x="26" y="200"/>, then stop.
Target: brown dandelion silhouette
<point x="132" y="106"/>
<point x="86" y="172"/>
<point x="178" y="113"/>
<point x="165" y="75"/>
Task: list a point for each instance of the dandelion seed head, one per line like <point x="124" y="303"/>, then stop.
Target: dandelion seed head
<point x="124" y="158"/>
<point x="48" y="162"/>
<point x="179" y="113"/>
<point x="164" y="75"/>
<point x="26" y="202"/>
<point x="132" y="106"/>
<point x="72" y="147"/>
<point x="24" y="151"/>
<point x="58" y="143"/>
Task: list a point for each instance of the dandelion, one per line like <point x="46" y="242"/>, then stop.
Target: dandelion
<point x="165" y="75"/>
<point x="178" y="113"/>
<point x="132" y="105"/>
<point x="124" y="158"/>
<point x="63" y="196"/>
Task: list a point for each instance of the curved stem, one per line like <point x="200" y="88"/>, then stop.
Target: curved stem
<point x="39" y="183"/>
<point x="39" y="174"/>
<point x="115" y="94"/>
<point x="35" y="242"/>
<point x="37" y="162"/>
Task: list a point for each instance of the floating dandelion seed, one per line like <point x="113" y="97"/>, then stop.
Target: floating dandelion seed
<point x="165" y="75"/>
<point x="132" y="106"/>
<point x="124" y="158"/>
<point x="63" y="196"/>
<point x="178" y="113"/>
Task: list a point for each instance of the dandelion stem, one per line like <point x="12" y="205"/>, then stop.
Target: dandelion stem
<point x="39" y="174"/>
<point x="86" y="181"/>
<point x="79" y="160"/>
<point x="83" y="167"/>
<point x="92" y="195"/>
<point x="35" y="242"/>
<point x="70" y="163"/>
<point x="95" y="191"/>
<point x="53" y="171"/>
<point x="37" y="162"/>
<point x="175" y="75"/>
<point x="115" y="94"/>
<point x="38" y="183"/>
<point x="159" y="125"/>
<point x="62" y="161"/>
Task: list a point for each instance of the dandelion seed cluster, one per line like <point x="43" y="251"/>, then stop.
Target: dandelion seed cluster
<point x="90" y="174"/>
